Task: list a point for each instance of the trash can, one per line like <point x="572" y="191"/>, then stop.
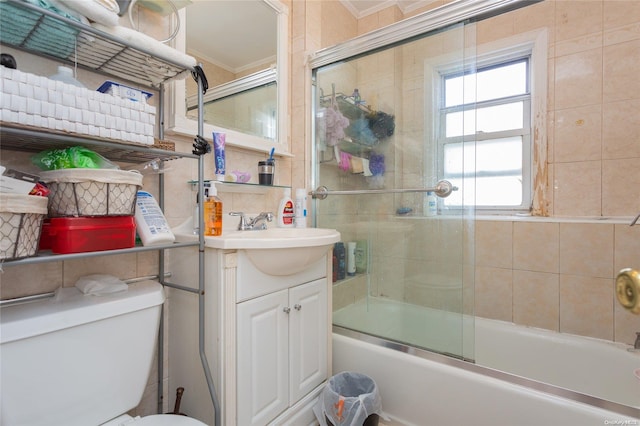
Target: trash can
<point x="349" y="399"/>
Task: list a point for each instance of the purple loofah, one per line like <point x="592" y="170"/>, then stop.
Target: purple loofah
<point x="376" y="164"/>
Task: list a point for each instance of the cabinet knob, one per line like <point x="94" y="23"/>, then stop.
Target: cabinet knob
<point x="286" y="309"/>
<point x="297" y="307"/>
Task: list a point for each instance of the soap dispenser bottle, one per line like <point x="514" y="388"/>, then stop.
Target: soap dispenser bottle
<point x="212" y="212"/>
<point x="286" y="210"/>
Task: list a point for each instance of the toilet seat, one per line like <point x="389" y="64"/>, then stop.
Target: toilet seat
<point x="154" y="420"/>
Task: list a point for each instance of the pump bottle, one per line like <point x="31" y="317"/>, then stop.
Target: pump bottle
<point x="212" y="212"/>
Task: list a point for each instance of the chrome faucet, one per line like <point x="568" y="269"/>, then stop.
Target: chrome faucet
<point x="257" y="223"/>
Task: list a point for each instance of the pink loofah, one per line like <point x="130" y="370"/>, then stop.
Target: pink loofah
<point x="335" y="125"/>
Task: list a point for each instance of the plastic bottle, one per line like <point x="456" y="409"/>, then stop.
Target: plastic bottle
<point x="301" y="208"/>
<point x="351" y="258"/>
<point x="362" y="257"/>
<point x="196" y="215"/>
<point x="212" y="212"/>
<point x="286" y="210"/>
<point x="430" y="204"/>
<point x="340" y="255"/>
<point x="65" y="74"/>
<point x="151" y="224"/>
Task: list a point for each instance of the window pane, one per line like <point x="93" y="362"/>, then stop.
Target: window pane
<point x="499" y="155"/>
<point x="490" y="119"/>
<point x="491" y="172"/>
<point x="491" y="156"/>
<point x="486" y="192"/>
<point x="454" y="90"/>
<point x="500" y="82"/>
<point x="487" y="84"/>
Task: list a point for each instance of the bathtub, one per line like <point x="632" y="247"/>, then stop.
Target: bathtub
<point x="512" y="381"/>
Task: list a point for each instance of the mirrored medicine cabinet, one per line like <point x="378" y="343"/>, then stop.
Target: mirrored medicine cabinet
<point x="243" y="49"/>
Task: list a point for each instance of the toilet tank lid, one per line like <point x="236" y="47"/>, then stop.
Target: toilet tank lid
<point x="69" y="307"/>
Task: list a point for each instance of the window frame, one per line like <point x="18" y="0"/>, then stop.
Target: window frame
<point x="476" y="65"/>
<point x="533" y="43"/>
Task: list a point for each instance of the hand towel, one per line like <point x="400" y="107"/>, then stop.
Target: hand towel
<point x="95" y="10"/>
<point x="100" y="284"/>
<point x="149" y="44"/>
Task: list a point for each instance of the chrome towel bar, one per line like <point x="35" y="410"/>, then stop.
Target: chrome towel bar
<point x="442" y="189"/>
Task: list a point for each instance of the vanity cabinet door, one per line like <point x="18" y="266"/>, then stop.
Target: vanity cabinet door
<point x="308" y="338"/>
<point x="263" y="358"/>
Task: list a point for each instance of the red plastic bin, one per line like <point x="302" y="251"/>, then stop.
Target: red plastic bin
<point x="65" y="235"/>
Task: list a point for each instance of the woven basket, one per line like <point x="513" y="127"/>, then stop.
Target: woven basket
<point x="92" y="192"/>
<point x="20" y="225"/>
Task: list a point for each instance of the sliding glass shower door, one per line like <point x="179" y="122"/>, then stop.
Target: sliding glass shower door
<point x="407" y="271"/>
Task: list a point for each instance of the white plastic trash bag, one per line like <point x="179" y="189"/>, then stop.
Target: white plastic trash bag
<point x="347" y="400"/>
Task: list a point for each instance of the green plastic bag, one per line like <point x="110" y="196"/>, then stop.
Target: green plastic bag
<point x="75" y="157"/>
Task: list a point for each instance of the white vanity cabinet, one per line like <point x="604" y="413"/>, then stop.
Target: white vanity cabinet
<point x="267" y="339"/>
<point x="282" y="350"/>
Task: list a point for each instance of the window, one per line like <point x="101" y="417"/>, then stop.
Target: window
<point x="484" y="133"/>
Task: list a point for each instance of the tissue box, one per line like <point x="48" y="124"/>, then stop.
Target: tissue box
<point x="122" y="91"/>
<point x="82" y="234"/>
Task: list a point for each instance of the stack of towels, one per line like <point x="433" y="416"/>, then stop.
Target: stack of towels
<point x="59" y="39"/>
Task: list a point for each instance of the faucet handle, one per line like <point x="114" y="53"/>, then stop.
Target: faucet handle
<point x="267" y="215"/>
<point x="243" y="220"/>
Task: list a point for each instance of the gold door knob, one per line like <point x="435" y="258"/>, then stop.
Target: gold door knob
<point x="628" y="289"/>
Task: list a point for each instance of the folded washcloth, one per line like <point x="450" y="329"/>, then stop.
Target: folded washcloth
<point x="96" y="10"/>
<point x="357" y="165"/>
<point x="365" y="167"/>
<point x="345" y="161"/>
<point x="100" y="284"/>
<point x="145" y="43"/>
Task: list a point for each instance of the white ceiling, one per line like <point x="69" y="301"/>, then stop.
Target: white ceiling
<point x="234" y="34"/>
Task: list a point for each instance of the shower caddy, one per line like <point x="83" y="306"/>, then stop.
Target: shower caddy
<point x="105" y="54"/>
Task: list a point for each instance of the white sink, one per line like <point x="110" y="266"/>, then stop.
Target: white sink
<point x="274" y="251"/>
<point x="274" y="238"/>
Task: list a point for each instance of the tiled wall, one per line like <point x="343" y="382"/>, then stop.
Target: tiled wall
<point x="555" y="275"/>
<point x="551" y="273"/>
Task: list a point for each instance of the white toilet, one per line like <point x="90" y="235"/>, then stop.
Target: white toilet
<point x="78" y="359"/>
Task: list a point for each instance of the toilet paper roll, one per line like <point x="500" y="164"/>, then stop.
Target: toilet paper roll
<point x="628" y="289"/>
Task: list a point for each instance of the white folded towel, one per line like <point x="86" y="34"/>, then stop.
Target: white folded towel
<point x="149" y="44"/>
<point x="100" y="284"/>
<point x="100" y="11"/>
